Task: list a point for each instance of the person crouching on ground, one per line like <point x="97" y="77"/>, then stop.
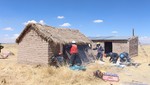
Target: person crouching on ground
<point x="75" y="59"/>
<point x="100" y="50"/>
<point x="113" y="57"/>
<point x="60" y="59"/>
<point x="124" y="57"/>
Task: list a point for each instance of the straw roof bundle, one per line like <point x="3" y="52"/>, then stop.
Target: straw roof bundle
<point x="56" y="35"/>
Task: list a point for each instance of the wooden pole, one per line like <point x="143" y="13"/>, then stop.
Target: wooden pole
<point x="133" y="32"/>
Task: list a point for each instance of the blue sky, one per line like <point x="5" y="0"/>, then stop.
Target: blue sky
<point x="91" y="17"/>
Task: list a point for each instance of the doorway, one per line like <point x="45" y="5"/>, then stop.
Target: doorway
<point x="108" y="47"/>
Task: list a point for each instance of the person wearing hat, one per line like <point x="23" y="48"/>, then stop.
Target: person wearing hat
<point x="1" y="47"/>
<point x="75" y="59"/>
<point x="100" y="50"/>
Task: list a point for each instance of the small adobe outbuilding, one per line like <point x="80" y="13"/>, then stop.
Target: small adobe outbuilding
<point x="38" y="43"/>
<point x="118" y="44"/>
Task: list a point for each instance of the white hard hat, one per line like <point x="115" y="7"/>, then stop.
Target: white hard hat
<point x="73" y="41"/>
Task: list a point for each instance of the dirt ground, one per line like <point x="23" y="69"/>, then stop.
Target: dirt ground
<point x="13" y="73"/>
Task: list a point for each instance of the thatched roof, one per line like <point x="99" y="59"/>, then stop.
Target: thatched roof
<point x="56" y="35"/>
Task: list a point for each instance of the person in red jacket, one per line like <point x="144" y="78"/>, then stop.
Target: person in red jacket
<point x="75" y="59"/>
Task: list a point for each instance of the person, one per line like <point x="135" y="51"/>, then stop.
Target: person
<point x="56" y="60"/>
<point x="124" y="57"/>
<point x="60" y="59"/>
<point x="100" y="50"/>
<point x="1" y="47"/>
<point x="113" y="57"/>
<point x="75" y="59"/>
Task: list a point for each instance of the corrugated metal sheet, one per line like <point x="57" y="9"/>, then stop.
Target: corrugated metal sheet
<point x="110" y="38"/>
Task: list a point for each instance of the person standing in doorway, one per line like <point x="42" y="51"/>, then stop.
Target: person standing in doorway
<point x="75" y="59"/>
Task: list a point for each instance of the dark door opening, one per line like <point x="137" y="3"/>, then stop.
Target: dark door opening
<point x="108" y="47"/>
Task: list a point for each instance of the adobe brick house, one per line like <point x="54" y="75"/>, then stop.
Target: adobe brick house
<point x="118" y="44"/>
<point x="37" y="43"/>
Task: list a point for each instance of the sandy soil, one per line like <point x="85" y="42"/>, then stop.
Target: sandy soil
<point x="12" y="73"/>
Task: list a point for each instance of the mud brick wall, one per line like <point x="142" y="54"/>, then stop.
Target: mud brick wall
<point x="120" y="46"/>
<point x="133" y="44"/>
<point x="33" y="49"/>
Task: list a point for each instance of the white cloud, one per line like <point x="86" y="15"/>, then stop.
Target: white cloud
<point x="114" y="32"/>
<point x="60" y="17"/>
<point x="144" y="40"/>
<point x="33" y="21"/>
<point x="30" y="21"/>
<point x="42" y="22"/>
<point x="8" y="29"/>
<point x="98" y="21"/>
<point x="66" y="25"/>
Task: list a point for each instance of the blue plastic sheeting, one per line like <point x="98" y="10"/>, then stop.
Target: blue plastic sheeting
<point x="76" y="67"/>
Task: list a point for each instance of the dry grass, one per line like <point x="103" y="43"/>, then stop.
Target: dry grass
<point x="12" y="73"/>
